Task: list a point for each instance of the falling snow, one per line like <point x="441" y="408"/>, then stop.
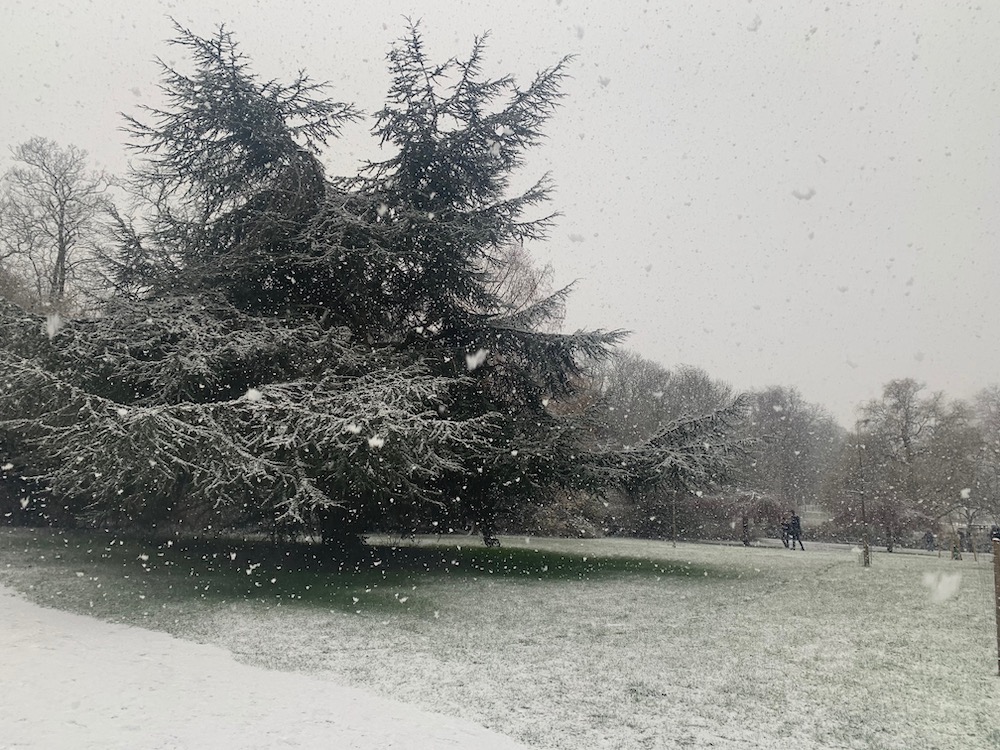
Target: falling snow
<point x="53" y="324"/>
<point x="474" y="360"/>
<point x="943" y="586"/>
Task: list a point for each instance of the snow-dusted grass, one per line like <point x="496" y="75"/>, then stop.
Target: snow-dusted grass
<point x="640" y="645"/>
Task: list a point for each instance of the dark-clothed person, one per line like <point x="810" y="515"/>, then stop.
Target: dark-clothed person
<point x="795" y="532"/>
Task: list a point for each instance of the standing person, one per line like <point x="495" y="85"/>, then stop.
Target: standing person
<point x="785" y="531"/>
<point x="795" y="531"/>
<point x="929" y="541"/>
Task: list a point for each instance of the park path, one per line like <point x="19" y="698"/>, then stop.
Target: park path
<point x="73" y="682"/>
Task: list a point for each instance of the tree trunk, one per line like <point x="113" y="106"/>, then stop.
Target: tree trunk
<point x="341" y="537"/>
<point x="486" y="521"/>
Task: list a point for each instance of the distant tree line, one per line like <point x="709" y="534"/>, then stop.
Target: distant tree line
<point x="915" y="463"/>
<point x="918" y="463"/>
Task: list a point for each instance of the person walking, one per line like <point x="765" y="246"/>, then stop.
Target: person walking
<point x="929" y="541"/>
<point x="795" y="531"/>
<point x="785" y="531"/>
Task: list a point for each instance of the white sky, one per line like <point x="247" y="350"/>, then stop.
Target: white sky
<point x="687" y="133"/>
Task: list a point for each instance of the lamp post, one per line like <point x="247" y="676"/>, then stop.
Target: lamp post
<point x="996" y="588"/>
<point x="866" y="559"/>
<point x="673" y="518"/>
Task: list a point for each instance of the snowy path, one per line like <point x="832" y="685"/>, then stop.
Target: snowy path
<point x="73" y="682"/>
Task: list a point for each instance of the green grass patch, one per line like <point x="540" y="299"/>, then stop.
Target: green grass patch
<point x="124" y="577"/>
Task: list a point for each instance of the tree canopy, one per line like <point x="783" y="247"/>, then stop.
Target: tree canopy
<point x="335" y="353"/>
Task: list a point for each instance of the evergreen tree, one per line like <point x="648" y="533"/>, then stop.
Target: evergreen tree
<point x="438" y="227"/>
<point x="217" y="389"/>
<point x="341" y="354"/>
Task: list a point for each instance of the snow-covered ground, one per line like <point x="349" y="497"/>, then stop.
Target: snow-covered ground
<point x="69" y="682"/>
<point x="724" y="647"/>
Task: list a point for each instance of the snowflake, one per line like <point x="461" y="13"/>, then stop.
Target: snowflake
<point x="472" y="361"/>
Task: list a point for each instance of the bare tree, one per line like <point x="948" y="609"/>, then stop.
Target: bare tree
<point x="950" y="476"/>
<point x="642" y="396"/>
<point x="50" y="214"/>
<point x="920" y="459"/>
<point x="521" y="287"/>
<point x="797" y="444"/>
<point x="13" y="287"/>
<point x="987" y="491"/>
<point x="904" y="420"/>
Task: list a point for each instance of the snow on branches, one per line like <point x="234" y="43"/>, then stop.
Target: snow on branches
<point x="130" y="447"/>
<point x="285" y="345"/>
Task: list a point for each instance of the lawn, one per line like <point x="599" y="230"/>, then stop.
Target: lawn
<point x="578" y="644"/>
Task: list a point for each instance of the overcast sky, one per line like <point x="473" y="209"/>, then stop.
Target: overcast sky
<point x="781" y="193"/>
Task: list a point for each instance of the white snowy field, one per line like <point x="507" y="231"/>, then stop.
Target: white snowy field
<point x="71" y="682"/>
<point x="727" y="647"/>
